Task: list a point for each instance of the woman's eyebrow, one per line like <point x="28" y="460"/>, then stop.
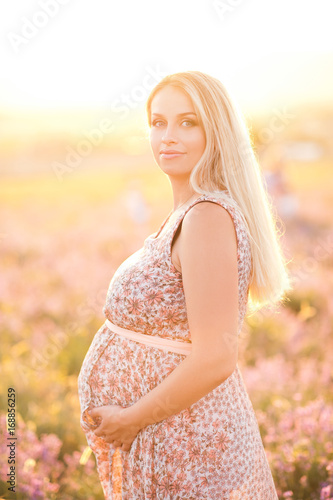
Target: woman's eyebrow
<point x="180" y="114"/>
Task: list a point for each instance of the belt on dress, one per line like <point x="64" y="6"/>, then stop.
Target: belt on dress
<point x="150" y="340"/>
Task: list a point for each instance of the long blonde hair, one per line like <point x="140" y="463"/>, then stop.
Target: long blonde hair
<point x="229" y="162"/>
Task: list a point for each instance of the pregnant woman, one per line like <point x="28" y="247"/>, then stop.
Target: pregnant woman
<point x="160" y="389"/>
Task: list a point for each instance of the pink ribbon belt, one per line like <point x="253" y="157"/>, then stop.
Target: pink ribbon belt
<point x="165" y="344"/>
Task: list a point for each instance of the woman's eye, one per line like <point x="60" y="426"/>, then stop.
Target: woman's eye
<point x="188" y="121"/>
<point x="159" y="121"/>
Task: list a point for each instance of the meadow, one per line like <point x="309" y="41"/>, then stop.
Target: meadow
<point x="61" y="242"/>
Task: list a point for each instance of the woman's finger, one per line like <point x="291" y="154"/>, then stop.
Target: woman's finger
<point x="126" y="447"/>
<point x="100" y="430"/>
<point x="94" y="412"/>
<point x="116" y="444"/>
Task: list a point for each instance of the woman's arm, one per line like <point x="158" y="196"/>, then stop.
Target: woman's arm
<point x="208" y="257"/>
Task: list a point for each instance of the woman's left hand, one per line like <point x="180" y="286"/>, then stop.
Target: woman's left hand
<point x="115" y="426"/>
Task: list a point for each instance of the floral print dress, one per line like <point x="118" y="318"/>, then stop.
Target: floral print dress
<point x="211" y="450"/>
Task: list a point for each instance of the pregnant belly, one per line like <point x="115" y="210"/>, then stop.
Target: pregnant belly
<point x="120" y="371"/>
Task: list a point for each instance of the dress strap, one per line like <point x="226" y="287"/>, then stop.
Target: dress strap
<point x="163" y="224"/>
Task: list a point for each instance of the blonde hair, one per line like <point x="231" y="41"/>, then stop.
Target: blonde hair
<point x="229" y="162"/>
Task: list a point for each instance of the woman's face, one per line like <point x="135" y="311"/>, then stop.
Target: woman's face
<point x="175" y="127"/>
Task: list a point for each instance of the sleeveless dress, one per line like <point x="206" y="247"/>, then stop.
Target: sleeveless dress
<point x="211" y="450"/>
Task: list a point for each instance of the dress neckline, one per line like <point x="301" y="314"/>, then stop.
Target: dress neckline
<point x="158" y="233"/>
<point x="162" y="226"/>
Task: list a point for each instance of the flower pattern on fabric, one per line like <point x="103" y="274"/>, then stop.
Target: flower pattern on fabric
<point x="213" y="449"/>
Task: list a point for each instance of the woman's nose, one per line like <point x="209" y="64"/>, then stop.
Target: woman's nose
<point x="168" y="140"/>
<point x="169" y="136"/>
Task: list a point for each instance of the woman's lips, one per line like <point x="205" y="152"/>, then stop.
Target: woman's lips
<point x="169" y="156"/>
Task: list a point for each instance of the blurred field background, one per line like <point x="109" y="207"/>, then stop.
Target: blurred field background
<point x="79" y="192"/>
<point x="62" y="240"/>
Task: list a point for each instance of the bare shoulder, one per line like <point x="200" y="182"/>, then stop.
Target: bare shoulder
<point x="208" y="232"/>
<point x="209" y="263"/>
<point x="208" y="220"/>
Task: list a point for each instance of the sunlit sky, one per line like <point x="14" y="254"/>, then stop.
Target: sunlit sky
<point x="91" y="52"/>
